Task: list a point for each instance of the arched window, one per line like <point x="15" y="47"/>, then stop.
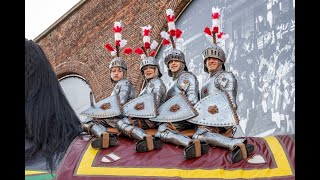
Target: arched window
<point x="77" y="92"/>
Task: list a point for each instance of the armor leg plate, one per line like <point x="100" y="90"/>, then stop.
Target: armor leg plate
<point x="240" y="150"/>
<point x="145" y="143"/>
<point x="193" y="148"/>
<point x="94" y="129"/>
<point x="125" y="127"/>
<point x="97" y="130"/>
<point x="215" y="139"/>
<point x="168" y="135"/>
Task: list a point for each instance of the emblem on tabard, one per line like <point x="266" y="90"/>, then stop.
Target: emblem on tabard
<point x="105" y="106"/>
<point x="175" y="108"/>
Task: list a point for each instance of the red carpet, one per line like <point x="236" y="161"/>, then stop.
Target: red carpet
<point x="83" y="162"/>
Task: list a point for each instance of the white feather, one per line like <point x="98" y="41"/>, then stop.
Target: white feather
<point x="146" y="27"/>
<point x="225" y="36"/>
<point x="117" y="23"/>
<point x="113" y="53"/>
<point x="215" y="22"/>
<point x="117" y="36"/>
<point x="165" y="35"/>
<point x="123" y="42"/>
<point x="215" y="10"/>
<point x="154" y="44"/>
<point x="169" y="12"/>
<point x="146" y="39"/>
<point x="171" y="26"/>
<point x="142" y="56"/>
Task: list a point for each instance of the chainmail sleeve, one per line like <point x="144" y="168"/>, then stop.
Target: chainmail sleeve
<point x="226" y="82"/>
<point x="189" y="84"/>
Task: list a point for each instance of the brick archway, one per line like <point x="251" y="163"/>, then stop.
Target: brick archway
<point x="76" y="67"/>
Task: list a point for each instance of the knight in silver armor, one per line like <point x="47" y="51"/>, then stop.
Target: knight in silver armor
<point x="220" y="81"/>
<point x="135" y="127"/>
<point x="186" y="83"/>
<point x="97" y="124"/>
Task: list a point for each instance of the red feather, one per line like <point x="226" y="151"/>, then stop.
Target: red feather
<point x="172" y="32"/>
<point x="146" y="32"/>
<point x="109" y="47"/>
<point x="138" y="51"/>
<point x="178" y="33"/>
<point x="127" y="50"/>
<point x="153" y="53"/>
<point x="147" y="45"/>
<point x="170" y="18"/>
<point x="207" y="31"/>
<point x="117" y="42"/>
<point x="216" y="29"/>
<point x="165" y="42"/>
<point x="215" y="15"/>
<point x="117" y="29"/>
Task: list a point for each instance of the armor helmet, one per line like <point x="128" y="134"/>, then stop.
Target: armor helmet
<point x="215" y="52"/>
<point x="175" y="54"/>
<point x="118" y="62"/>
<point x="150" y="61"/>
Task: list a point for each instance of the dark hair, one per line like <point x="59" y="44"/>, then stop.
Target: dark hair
<point x="50" y="122"/>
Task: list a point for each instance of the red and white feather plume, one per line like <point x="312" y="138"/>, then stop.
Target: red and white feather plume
<point x="215" y="19"/>
<point x="215" y="32"/>
<point x="146" y="37"/>
<point x="172" y="30"/>
<point x="143" y="51"/>
<point x="119" y="42"/>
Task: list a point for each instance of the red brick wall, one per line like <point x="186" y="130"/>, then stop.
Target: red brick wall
<point x="76" y="44"/>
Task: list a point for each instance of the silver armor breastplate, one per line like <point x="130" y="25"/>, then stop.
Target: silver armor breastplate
<point x="221" y="81"/>
<point x="186" y="83"/>
<point x="173" y="90"/>
<point x="209" y="87"/>
<point x="157" y="87"/>
<point x="125" y="90"/>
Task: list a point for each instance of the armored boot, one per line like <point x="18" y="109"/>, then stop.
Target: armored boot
<point x="145" y="142"/>
<point x="238" y="147"/>
<point x="102" y="138"/>
<point x="193" y="148"/>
